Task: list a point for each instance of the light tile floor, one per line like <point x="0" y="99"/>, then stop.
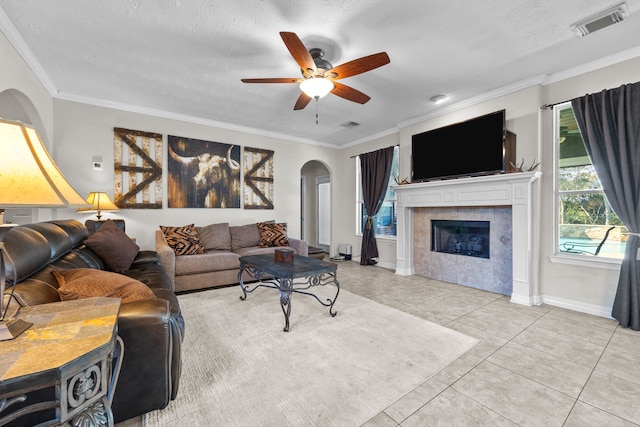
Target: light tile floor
<point x="534" y="366"/>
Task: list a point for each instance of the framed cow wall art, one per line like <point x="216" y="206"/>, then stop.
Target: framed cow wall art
<point x="202" y="174"/>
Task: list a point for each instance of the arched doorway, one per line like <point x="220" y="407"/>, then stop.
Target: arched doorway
<point x="315" y="198"/>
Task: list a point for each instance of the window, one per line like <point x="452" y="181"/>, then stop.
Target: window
<point x="385" y="221"/>
<point x="586" y="223"/>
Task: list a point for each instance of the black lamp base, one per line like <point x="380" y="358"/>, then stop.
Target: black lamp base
<point x="10" y="329"/>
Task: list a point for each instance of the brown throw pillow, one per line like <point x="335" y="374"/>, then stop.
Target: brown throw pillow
<point x="244" y="236"/>
<point x="215" y="236"/>
<point x="113" y="246"/>
<point x="273" y="234"/>
<point x="183" y="240"/>
<point x="80" y="283"/>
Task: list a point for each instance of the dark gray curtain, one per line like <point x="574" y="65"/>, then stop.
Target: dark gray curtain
<point x="375" y="168"/>
<point x="609" y="122"/>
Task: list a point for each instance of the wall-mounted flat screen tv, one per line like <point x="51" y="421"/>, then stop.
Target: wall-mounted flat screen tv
<point x="470" y="148"/>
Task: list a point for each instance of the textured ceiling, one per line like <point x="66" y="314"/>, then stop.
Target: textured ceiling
<point x="186" y="58"/>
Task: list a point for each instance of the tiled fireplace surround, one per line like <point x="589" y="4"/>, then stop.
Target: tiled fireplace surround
<point x="493" y="274"/>
<point x="505" y="200"/>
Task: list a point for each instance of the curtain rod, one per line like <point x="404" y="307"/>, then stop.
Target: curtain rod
<point x="550" y="106"/>
<point x="353" y="157"/>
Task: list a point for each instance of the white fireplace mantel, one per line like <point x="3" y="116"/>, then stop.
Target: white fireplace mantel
<point x="513" y="189"/>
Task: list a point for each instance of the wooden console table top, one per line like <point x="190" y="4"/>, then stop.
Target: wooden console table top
<point x="61" y="333"/>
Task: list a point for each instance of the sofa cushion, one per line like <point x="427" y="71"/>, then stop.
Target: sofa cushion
<point x="183" y="240"/>
<point x="214" y="260"/>
<point x="215" y="236"/>
<point x="113" y="246"/>
<point x="88" y="282"/>
<point x="243" y="236"/>
<point x="273" y="234"/>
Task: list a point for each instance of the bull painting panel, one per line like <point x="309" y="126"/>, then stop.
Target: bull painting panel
<point x="202" y="174"/>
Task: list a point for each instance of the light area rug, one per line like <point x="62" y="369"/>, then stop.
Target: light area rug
<point x="240" y="368"/>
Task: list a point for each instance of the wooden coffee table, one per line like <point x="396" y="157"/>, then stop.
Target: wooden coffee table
<point x="297" y="276"/>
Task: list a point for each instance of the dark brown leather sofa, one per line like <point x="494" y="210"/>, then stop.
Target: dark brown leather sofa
<point x="152" y="329"/>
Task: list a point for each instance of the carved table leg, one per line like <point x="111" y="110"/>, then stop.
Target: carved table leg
<point x="286" y="285"/>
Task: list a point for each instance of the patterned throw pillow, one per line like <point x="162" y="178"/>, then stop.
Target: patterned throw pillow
<point x="273" y="234"/>
<point x="183" y="240"/>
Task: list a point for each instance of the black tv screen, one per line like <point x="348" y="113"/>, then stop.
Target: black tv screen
<point x="471" y="148"/>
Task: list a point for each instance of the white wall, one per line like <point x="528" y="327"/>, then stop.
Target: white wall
<point x="588" y="288"/>
<point x="75" y="133"/>
<point x="83" y="131"/>
<point x="17" y="77"/>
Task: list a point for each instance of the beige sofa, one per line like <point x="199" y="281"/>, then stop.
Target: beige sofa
<point x="219" y="265"/>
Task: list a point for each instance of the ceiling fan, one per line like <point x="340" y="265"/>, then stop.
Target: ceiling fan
<point x="319" y="76"/>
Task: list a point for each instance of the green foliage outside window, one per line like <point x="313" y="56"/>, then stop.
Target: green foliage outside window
<point x="584" y="215"/>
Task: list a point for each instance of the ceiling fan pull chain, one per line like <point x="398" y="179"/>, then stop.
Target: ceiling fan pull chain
<point x="317" y="97"/>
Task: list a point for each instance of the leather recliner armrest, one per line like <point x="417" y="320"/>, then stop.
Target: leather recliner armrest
<point x="146" y="377"/>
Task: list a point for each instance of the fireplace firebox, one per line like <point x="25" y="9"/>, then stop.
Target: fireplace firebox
<point x="468" y="238"/>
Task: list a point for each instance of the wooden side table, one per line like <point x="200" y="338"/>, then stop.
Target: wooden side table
<point x="63" y="370"/>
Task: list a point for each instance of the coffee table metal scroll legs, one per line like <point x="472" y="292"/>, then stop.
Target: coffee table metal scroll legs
<point x="286" y="285"/>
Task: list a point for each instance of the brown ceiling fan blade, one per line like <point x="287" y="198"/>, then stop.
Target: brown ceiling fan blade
<point x="350" y="93"/>
<point x="299" y="52"/>
<point x="358" y="66"/>
<point x="272" y="80"/>
<point x="302" y="101"/>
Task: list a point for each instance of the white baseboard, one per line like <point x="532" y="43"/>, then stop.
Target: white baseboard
<point x="596" y="310"/>
<point x="379" y="264"/>
<point x="386" y="265"/>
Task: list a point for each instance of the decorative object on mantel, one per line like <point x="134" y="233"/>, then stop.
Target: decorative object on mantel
<point x="137" y="169"/>
<point x="29" y="178"/>
<point x="402" y="181"/>
<point x="518" y="167"/>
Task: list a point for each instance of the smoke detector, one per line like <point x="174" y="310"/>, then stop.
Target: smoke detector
<point x="601" y="20"/>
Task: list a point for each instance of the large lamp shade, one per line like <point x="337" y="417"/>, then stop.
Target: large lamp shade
<point x="28" y="175"/>
<point x="28" y="178"/>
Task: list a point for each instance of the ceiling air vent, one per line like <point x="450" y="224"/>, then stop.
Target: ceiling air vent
<point x="601" y="20"/>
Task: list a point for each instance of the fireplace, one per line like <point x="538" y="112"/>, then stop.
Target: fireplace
<point x="468" y="238"/>
<point x="512" y="190"/>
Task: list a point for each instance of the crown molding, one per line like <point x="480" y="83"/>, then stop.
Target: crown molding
<point x="63" y="96"/>
<point x="469" y="102"/>
<point x="14" y="37"/>
<point x="593" y="65"/>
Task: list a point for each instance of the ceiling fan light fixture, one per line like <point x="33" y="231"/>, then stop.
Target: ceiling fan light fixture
<point x="316" y="87"/>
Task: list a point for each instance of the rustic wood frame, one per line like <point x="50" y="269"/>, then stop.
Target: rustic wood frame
<point x="258" y="178"/>
<point x="141" y="179"/>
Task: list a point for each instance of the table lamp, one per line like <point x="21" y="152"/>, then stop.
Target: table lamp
<point x="29" y="178"/>
<point x="99" y="201"/>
